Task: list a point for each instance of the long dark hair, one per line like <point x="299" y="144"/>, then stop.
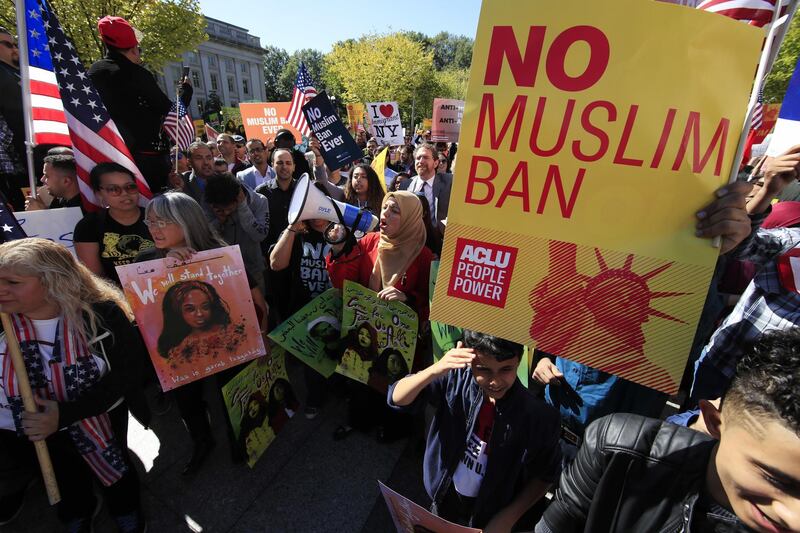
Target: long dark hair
<point x="175" y="328"/>
<point x="289" y="399"/>
<point x="366" y="354"/>
<point x="374" y="190"/>
<point x="381" y="364"/>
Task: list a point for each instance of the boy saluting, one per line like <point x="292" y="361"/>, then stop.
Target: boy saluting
<point x="493" y="448"/>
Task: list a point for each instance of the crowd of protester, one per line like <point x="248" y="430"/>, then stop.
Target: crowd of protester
<point x="495" y="449"/>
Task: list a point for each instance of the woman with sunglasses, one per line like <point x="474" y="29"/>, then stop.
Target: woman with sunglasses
<point x="115" y="235"/>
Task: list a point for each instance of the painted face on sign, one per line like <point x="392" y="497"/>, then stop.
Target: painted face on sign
<point x="196" y="310"/>
<point x="394" y="365"/>
<point x="364" y="338"/>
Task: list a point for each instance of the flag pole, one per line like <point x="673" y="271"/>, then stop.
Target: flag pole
<point x="24" y="70"/>
<point x="177" y="123"/>
<point x="46" y="466"/>
<point x="773" y="41"/>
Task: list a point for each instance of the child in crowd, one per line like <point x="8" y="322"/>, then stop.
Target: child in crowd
<point x="641" y="474"/>
<point x="493" y="448"/>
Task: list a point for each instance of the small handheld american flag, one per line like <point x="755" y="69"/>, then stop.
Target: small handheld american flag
<point x="303" y="92"/>
<point x="178" y="126"/>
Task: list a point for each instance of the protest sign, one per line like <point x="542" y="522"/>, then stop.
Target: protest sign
<point x="447" y="115"/>
<point x="379" y="338"/>
<point x="197" y="317"/>
<point x="408" y="517"/>
<point x="263" y="120"/>
<point x="379" y="166"/>
<point x="427" y="125"/>
<point x="199" y="127"/>
<point x="769" y="116"/>
<point x="384" y="123"/>
<point x="355" y="116"/>
<point x="337" y="145"/>
<point x="259" y="400"/>
<point x="313" y="334"/>
<point x="588" y="144"/>
<point x="231" y="120"/>
<point x="54" y="225"/>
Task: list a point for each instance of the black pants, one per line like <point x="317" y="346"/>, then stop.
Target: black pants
<point x="18" y="466"/>
<point x="193" y="407"/>
<point x="367" y="409"/>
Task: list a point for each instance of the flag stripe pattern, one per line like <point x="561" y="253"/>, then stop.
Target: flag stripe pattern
<point x="178" y="119"/>
<point x="49" y="122"/>
<point x="755" y="12"/>
<point x="303" y="92"/>
<point x="63" y="86"/>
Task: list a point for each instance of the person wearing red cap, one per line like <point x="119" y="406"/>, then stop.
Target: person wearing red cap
<point x="133" y="98"/>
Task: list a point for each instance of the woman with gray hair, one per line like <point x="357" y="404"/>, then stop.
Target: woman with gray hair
<point x="180" y="229"/>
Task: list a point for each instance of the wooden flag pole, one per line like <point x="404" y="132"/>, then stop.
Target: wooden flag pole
<point x="42" y="454"/>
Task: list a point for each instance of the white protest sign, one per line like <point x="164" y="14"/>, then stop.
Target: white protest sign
<point x="56" y="225"/>
<point x="385" y="125"/>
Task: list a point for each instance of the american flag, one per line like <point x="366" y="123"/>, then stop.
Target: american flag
<point x="758" y="113"/>
<point x="303" y="92"/>
<point x="95" y="138"/>
<point x="755" y="12"/>
<point x="178" y="118"/>
<point x="10" y="228"/>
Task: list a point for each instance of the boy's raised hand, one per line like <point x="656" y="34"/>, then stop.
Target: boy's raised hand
<point x="458" y="357"/>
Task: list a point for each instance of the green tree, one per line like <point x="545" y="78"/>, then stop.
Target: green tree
<point x="313" y="60"/>
<point x="452" y="83"/>
<point x="778" y="79"/>
<point x="451" y="51"/>
<point x="384" y="67"/>
<point x="170" y="27"/>
<point x="275" y="60"/>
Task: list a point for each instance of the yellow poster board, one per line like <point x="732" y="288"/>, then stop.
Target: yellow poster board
<point x="588" y="144"/>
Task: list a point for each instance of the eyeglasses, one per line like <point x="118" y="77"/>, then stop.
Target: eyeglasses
<point x="8" y="44"/>
<point x="160" y="223"/>
<point x="116" y="190"/>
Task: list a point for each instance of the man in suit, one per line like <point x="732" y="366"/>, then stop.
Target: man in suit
<point x="435" y="187"/>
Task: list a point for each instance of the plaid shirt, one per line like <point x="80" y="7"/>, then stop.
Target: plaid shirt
<point x="9" y="163"/>
<point x="764" y="306"/>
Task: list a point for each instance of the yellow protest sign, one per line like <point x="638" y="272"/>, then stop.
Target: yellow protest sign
<point x="587" y="145"/>
<point x="379" y="165"/>
<point x="355" y="116"/>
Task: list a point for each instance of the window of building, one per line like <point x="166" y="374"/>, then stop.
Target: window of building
<point x="244" y="68"/>
<point x="231" y="84"/>
<point x="201" y="104"/>
<point x="245" y="87"/>
<point x="195" y="79"/>
<point x="192" y="57"/>
<point x="229" y="65"/>
<point x="214" y="86"/>
<point x="212" y="61"/>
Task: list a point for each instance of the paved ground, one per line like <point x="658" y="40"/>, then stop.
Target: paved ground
<point x="305" y="482"/>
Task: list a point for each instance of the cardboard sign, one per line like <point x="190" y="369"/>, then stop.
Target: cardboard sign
<point x="379" y="338"/>
<point x="337" y="145"/>
<point x="197" y="318"/>
<point x="355" y="116"/>
<point x="260" y="401"/>
<point x="447" y="114"/>
<point x="313" y="334"/>
<point x="56" y="225"/>
<point x="199" y="127"/>
<point x="384" y="122"/>
<point x="588" y="146"/>
<point x="263" y="120"/>
<point x="408" y="517"/>
<point x="231" y="120"/>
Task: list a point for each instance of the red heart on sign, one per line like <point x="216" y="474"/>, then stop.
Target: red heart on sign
<point x="387" y="110"/>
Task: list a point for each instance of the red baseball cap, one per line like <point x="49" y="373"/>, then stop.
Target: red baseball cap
<point x="117" y="32"/>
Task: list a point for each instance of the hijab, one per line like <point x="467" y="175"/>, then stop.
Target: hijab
<point x="396" y="253"/>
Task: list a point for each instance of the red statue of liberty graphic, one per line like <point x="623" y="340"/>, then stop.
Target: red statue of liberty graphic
<point x="598" y="319"/>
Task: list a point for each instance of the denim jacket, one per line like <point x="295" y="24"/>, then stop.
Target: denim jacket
<point x="524" y="444"/>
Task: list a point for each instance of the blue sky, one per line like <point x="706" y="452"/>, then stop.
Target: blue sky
<point x="318" y="23"/>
